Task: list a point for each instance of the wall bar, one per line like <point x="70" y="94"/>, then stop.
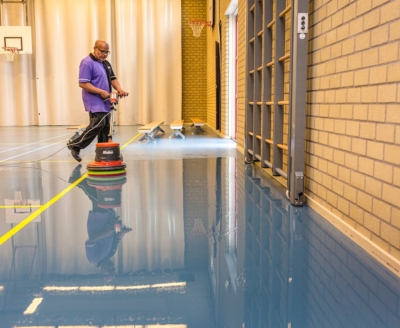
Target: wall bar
<point x="283" y="13"/>
<point x="284" y="57"/>
<point x="281" y="172"/>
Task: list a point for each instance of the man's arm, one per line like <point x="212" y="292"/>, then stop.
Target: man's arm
<point x="91" y="88"/>
<point x="117" y="87"/>
<point x="100" y="235"/>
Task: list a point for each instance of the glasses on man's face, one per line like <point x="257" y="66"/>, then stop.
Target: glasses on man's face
<point x="103" y="52"/>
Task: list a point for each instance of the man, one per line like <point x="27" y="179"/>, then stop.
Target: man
<point x="96" y="78"/>
<point x="105" y="230"/>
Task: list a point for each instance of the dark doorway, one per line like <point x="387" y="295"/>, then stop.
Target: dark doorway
<point x="218" y="86"/>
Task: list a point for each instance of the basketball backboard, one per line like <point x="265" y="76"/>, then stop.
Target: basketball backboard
<point x="18" y="209"/>
<point x="19" y="37"/>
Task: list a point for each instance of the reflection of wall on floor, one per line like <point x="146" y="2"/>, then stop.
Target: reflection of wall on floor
<point x="195" y="207"/>
<point x="24" y="187"/>
<point x="229" y="259"/>
<point x="339" y="277"/>
<point x="303" y="271"/>
<point x="156" y="216"/>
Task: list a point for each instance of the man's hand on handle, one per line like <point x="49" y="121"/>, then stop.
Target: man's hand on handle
<point x="104" y="94"/>
<point x="122" y="93"/>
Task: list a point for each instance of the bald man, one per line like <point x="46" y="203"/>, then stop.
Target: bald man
<point x="96" y="78"/>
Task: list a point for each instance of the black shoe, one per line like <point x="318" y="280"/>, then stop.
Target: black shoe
<point x="74" y="153"/>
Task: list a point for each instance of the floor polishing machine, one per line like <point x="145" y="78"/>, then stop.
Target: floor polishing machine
<point x="108" y="161"/>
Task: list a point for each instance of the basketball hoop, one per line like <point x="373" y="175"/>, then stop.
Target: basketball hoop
<point x="21" y="205"/>
<point x="197" y="26"/>
<point x="198" y="228"/>
<point x="11" y="51"/>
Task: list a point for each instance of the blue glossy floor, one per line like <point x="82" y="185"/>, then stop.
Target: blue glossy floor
<point x="191" y="237"/>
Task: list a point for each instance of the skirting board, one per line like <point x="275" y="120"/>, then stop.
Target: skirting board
<point x="240" y="149"/>
<point x="390" y="262"/>
<point x="217" y="132"/>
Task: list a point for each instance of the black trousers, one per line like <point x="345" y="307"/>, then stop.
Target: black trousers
<point x="99" y="126"/>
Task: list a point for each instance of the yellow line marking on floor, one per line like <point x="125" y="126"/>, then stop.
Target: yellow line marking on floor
<point x="127" y="143"/>
<point x="44" y="207"/>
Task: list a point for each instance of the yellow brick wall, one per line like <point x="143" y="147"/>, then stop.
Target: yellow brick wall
<point x="198" y="65"/>
<point x="353" y="115"/>
<point x="241" y="72"/>
<point x="224" y="70"/>
<point x="194" y="62"/>
<point x="353" y="119"/>
<point x="213" y="35"/>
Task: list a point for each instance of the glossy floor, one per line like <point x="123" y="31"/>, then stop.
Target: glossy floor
<point x="190" y="237"/>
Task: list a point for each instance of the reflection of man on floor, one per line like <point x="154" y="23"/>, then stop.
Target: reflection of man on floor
<point x="105" y="231"/>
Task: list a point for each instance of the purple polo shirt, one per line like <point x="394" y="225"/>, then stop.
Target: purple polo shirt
<point x="93" y="71"/>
